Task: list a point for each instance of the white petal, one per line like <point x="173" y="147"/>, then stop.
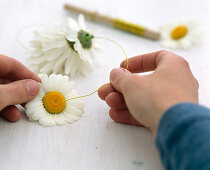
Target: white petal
<point x="185" y="44"/>
<point x="39" y="114"/>
<point x="56" y="44"/>
<point x="81" y="21"/>
<point x="59" y="119"/>
<point x="54" y="53"/>
<point x="67" y="66"/>
<point x="44" y="85"/>
<point x="73" y="24"/>
<point x="47" y="68"/>
<point x="70" y="118"/>
<point x="61" y="60"/>
<point x="47" y="121"/>
<point x="34" y="103"/>
<point x="31" y="110"/>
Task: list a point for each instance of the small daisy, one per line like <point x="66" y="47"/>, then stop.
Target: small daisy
<point x="84" y="42"/>
<point x="53" y="52"/>
<point x="180" y="35"/>
<point x="51" y="106"/>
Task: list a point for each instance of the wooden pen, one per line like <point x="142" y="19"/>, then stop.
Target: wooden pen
<point x="116" y="23"/>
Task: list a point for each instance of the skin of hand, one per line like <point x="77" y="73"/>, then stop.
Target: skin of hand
<point x="18" y="85"/>
<point x="142" y="99"/>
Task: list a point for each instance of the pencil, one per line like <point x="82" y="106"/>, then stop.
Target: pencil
<point x="115" y="22"/>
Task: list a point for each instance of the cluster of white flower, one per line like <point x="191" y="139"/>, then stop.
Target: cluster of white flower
<point x="68" y="48"/>
<point x="57" y="50"/>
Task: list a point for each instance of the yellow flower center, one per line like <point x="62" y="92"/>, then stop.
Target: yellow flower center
<point x="179" y="32"/>
<point x="54" y="102"/>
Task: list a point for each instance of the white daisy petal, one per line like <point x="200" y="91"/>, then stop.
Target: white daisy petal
<point x="81" y="21"/>
<point x="70" y="117"/>
<point x="73" y="24"/>
<point x="59" y="119"/>
<point x="53" y="54"/>
<point x="53" y="45"/>
<point x="76" y="111"/>
<point x="38" y="115"/>
<point x="185" y="44"/>
<point x="31" y="119"/>
<point x="47" y="120"/>
<point x="34" y="103"/>
<point x="31" y="110"/>
<point x="46" y="69"/>
<point x="67" y="67"/>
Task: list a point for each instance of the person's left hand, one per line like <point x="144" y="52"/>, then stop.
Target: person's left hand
<point x="18" y="85"/>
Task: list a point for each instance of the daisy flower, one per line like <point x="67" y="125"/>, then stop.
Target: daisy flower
<point x="180" y="34"/>
<point x="51" y="106"/>
<point x="54" y="52"/>
<point x="84" y="42"/>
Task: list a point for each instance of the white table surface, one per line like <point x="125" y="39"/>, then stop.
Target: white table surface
<point x="95" y="142"/>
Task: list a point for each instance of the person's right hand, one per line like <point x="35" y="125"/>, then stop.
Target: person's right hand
<point x="141" y="100"/>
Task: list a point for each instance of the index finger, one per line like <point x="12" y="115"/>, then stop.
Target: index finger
<point x="145" y="62"/>
<point x="14" y="70"/>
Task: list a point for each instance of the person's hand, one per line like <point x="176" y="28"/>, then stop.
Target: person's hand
<point x="18" y="85"/>
<point x="142" y="99"/>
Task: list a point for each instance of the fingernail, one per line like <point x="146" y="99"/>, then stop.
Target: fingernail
<point x="32" y="87"/>
<point x="116" y="73"/>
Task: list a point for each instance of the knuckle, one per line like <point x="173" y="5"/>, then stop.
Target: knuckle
<point x="12" y="89"/>
<point x="120" y="82"/>
<point x="21" y="91"/>
<point x="164" y="52"/>
<point x="3" y="56"/>
<point x="126" y="82"/>
<point x="171" y="55"/>
<point x="182" y="61"/>
<point x="123" y="63"/>
<point x="12" y="60"/>
<point x="18" y="89"/>
<point x="14" y="63"/>
<point x="2" y="98"/>
<point x="196" y="83"/>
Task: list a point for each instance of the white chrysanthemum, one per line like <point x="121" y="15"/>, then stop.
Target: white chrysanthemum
<point x="54" y="53"/>
<point x="85" y="43"/>
<point x="51" y="106"/>
<point x="180" y="34"/>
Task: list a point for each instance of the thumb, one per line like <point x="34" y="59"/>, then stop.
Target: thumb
<point x="119" y="78"/>
<point x="18" y="92"/>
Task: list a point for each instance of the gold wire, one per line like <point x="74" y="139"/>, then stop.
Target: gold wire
<point x="118" y="46"/>
<point x="127" y="63"/>
<point x="90" y="93"/>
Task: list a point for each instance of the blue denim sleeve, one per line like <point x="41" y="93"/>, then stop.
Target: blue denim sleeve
<point x="183" y="137"/>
